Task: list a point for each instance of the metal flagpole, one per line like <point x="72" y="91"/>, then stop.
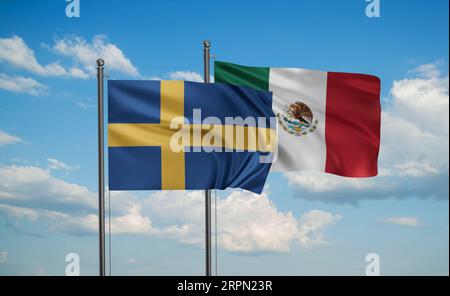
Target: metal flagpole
<point x="206" y="60"/>
<point x="101" y="168"/>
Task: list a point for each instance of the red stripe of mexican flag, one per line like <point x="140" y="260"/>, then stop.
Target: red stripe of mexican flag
<point x="352" y="124"/>
<point x="328" y="121"/>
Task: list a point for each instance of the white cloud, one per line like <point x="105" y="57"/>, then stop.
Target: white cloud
<point x="312" y="226"/>
<point x="132" y="222"/>
<point x="180" y="75"/>
<point x="414" y="144"/>
<point x="30" y="213"/>
<point x="423" y="102"/>
<point x="415" y="126"/>
<point x="56" y="221"/>
<point x="250" y="222"/>
<point x="86" y="224"/>
<point x="415" y="169"/>
<point x="429" y="70"/>
<point x="83" y="54"/>
<point x="404" y="221"/>
<point x="153" y="77"/>
<point x="7" y="139"/>
<point x="19" y="212"/>
<point x="186" y="75"/>
<point x="86" y="53"/>
<point x="54" y="164"/>
<point x="404" y="142"/>
<point x="3" y="256"/>
<point x="247" y="222"/>
<point x="22" y="84"/>
<point x="15" y="52"/>
<point x="32" y="185"/>
<point x="320" y="182"/>
<point x="78" y="73"/>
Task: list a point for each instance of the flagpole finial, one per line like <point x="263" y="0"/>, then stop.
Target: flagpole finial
<point x="206" y="43"/>
<point x="100" y="62"/>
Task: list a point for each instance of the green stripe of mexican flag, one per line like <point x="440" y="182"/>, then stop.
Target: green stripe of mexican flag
<point x="328" y="121"/>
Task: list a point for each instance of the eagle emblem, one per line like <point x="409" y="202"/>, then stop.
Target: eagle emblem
<point x="297" y="119"/>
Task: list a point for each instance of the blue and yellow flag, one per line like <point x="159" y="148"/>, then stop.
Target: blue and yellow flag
<point x="176" y="135"/>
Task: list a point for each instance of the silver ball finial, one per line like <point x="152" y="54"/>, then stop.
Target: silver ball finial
<point x="206" y="43"/>
<point x="100" y="62"/>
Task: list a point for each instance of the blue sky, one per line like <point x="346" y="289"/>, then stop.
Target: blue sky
<point x="308" y="223"/>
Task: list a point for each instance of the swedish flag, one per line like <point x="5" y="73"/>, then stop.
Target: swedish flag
<point x="157" y="142"/>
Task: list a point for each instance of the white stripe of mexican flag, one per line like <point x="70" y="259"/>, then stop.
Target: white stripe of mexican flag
<point x="304" y="152"/>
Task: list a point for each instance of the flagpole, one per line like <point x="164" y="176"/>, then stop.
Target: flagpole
<point x="101" y="168"/>
<point x="208" y="248"/>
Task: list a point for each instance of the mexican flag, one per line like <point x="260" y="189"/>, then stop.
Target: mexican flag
<point x="327" y="121"/>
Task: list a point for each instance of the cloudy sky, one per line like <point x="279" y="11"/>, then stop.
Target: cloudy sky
<point x="304" y="223"/>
